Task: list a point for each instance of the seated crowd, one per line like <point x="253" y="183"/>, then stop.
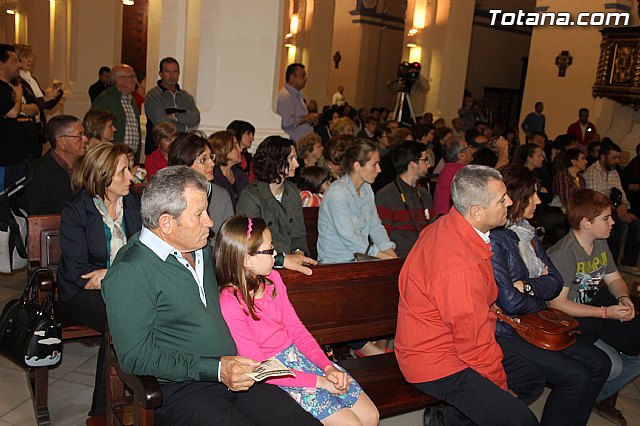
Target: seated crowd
<point x="216" y="220"/>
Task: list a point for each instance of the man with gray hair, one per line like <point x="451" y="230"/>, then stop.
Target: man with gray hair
<point x="164" y="314"/>
<point x="445" y="342"/>
<point x="456" y="154"/>
<point x="50" y="187"/>
<point x="119" y="100"/>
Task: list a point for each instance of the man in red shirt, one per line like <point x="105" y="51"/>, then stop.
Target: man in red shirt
<point x="583" y="129"/>
<point x="445" y="341"/>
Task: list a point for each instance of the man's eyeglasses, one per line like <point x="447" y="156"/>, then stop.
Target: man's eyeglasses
<point x="80" y="135"/>
<point x="426" y="160"/>
<point x="132" y="77"/>
<point x="269" y="251"/>
<point x="204" y="159"/>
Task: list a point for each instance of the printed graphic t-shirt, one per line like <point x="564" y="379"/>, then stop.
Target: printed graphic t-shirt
<point x="582" y="272"/>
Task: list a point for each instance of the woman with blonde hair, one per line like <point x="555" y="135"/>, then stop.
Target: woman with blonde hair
<point x="95" y="224"/>
<point x="227" y="173"/>
<point x="98" y="126"/>
<point x="342" y="127"/>
<point x="37" y="100"/>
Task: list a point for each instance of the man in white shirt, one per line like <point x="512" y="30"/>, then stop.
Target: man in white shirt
<point x="297" y="121"/>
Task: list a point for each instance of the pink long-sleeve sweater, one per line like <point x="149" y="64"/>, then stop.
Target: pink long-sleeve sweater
<point x="278" y="327"/>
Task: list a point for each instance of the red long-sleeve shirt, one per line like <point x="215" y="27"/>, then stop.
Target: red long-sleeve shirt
<point x="446" y="289"/>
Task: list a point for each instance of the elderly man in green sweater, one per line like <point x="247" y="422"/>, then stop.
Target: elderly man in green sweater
<point x="164" y="314"/>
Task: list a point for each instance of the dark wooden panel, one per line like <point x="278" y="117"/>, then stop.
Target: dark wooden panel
<point x="134" y="35"/>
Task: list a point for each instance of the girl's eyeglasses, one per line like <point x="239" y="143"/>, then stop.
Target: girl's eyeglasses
<point x="268" y="251"/>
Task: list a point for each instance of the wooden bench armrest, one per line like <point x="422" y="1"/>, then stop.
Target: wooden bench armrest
<point x="146" y="388"/>
<point x="44" y="278"/>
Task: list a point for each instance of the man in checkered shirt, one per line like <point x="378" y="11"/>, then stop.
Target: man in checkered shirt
<point x="119" y="100"/>
<point x="602" y="176"/>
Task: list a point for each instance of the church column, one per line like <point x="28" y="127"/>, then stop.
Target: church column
<point x="230" y="57"/>
<point x="84" y="35"/>
<point x="315" y="40"/>
<point x="445" y="42"/>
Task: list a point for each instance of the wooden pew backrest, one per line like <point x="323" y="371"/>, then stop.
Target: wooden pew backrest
<point x="333" y="312"/>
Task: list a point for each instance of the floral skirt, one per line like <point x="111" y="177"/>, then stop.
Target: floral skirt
<point x="317" y="401"/>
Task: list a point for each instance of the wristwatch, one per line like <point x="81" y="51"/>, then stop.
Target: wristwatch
<point x="527" y="288"/>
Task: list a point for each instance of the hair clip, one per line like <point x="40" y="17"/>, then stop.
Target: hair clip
<point x="249" y="227"/>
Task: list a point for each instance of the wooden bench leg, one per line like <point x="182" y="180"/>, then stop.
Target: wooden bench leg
<point x="39" y="381"/>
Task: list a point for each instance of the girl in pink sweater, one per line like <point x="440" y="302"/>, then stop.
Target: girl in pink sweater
<point x="264" y="324"/>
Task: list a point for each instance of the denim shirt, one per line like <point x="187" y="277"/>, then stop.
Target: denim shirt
<point x="345" y="222"/>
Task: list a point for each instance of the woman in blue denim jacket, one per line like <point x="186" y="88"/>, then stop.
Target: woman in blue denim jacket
<point x="526" y="279"/>
<point x="348" y="221"/>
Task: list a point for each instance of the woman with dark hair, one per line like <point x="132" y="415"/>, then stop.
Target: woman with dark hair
<point x="192" y="150"/>
<point x="570" y="180"/>
<point x="276" y="199"/>
<point x="348" y="220"/>
<point x="227" y="172"/>
<point x="244" y="133"/>
<point x="94" y="225"/>
<point x="328" y="118"/>
<point x="312" y="183"/>
<point x="98" y="126"/>
<point x="550" y="217"/>
<point x="526" y="279"/>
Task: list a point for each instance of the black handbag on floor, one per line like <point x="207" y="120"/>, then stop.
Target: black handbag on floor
<point x="30" y="335"/>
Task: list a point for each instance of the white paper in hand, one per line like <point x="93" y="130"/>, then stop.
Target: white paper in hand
<point x="271" y="367"/>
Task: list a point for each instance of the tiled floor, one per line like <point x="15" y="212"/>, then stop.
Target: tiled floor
<point x="71" y="384"/>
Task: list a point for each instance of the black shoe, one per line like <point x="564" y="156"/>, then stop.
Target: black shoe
<point x="434" y="416"/>
<point x="612" y="414"/>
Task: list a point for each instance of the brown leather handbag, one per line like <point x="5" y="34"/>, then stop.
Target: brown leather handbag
<point x="549" y="329"/>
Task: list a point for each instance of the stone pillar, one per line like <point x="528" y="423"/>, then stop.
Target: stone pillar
<point x="445" y="45"/>
<point x="85" y="35"/>
<point x="229" y="52"/>
<point x="316" y="42"/>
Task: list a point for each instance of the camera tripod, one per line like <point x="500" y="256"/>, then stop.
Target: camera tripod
<point x="402" y="110"/>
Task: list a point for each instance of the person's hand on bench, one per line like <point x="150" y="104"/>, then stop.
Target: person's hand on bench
<point x="299" y="262"/>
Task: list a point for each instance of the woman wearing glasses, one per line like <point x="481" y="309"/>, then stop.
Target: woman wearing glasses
<point x="95" y="224"/>
<point x="192" y="150"/>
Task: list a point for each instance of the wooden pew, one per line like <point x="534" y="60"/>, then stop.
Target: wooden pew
<point x="310" y="215"/>
<point x="357" y="301"/>
<point x="43" y="251"/>
<point x="135" y="407"/>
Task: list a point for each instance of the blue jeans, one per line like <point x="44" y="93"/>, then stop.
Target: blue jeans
<point x="624" y="368"/>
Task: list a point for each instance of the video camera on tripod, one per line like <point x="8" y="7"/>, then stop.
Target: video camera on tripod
<point x="408" y="73"/>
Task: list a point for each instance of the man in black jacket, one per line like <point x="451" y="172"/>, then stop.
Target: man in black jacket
<point x="50" y="187"/>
